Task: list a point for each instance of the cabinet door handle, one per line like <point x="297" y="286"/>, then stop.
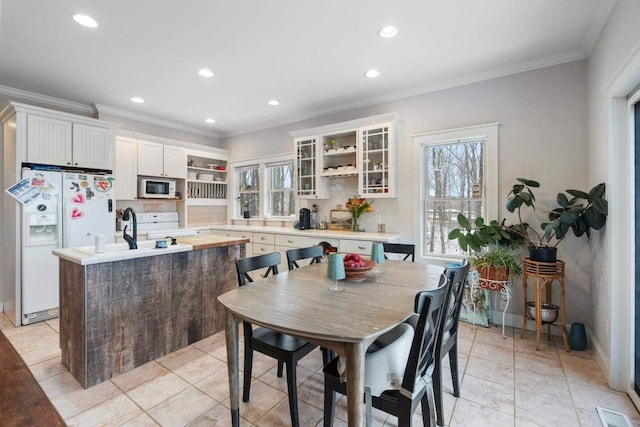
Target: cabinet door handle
<point x="289" y="240"/>
<point x="262" y="238"/>
<point x="362" y="247"/>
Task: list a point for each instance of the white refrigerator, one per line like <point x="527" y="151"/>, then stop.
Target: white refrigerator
<point x="71" y="209"/>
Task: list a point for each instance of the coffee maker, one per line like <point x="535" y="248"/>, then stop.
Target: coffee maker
<point x="305" y="219"/>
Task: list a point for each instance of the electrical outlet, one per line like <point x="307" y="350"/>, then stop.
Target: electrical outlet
<point x="503" y="304"/>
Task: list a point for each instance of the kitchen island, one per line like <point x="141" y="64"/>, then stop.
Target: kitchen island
<point x="123" y="308"/>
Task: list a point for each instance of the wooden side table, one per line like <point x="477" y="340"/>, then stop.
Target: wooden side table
<point x="545" y="273"/>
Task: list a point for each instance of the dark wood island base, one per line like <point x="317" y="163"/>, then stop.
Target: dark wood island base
<point x="115" y="316"/>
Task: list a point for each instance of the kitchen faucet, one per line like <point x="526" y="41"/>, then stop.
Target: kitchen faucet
<point x="131" y="240"/>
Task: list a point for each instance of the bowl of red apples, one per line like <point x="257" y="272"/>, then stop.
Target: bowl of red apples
<point x="356" y="267"/>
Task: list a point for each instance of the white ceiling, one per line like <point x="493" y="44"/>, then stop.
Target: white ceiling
<point x="310" y="55"/>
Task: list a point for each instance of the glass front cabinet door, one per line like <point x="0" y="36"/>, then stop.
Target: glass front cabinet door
<point x="307" y="168"/>
<point x="377" y="177"/>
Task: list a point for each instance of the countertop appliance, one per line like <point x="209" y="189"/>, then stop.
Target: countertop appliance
<point x="159" y="225"/>
<point x="70" y="211"/>
<point x="156" y="188"/>
<point x="305" y="219"/>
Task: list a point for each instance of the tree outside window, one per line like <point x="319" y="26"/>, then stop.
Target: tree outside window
<point x="281" y="200"/>
<point x="249" y="190"/>
<point x="454" y="183"/>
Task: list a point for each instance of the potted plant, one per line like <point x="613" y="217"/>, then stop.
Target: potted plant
<point x="497" y="262"/>
<point x="576" y="210"/>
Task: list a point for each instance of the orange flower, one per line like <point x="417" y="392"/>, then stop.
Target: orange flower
<point x="358" y="206"/>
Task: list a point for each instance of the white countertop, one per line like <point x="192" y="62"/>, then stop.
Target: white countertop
<point x="330" y="234"/>
<point x="85" y="255"/>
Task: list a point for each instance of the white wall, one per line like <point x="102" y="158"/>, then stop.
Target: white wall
<point x="543" y="136"/>
<point x="609" y="160"/>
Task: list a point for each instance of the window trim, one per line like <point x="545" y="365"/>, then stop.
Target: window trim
<point x="262" y="162"/>
<point x="488" y="132"/>
<point x="269" y="188"/>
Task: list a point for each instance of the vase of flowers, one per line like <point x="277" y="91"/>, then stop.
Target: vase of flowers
<point x="357" y="207"/>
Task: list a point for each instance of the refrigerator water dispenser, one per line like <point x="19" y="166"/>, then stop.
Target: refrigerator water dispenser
<point x="43" y="229"/>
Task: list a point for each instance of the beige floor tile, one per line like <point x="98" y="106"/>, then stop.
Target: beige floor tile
<point x="76" y="401"/>
<point x="578" y="358"/>
<point x="554" y="388"/>
<point x="491" y="352"/>
<point x="271" y="377"/>
<point x="496" y="340"/>
<point x="5" y="324"/>
<point x="489" y="393"/>
<point x="219" y="416"/>
<point x="221" y="352"/>
<point x="312" y="390"/>
<point x="544" y="410"/>
<point x="182" y="408"/>
<point x="142" y="420"/>
<point x="467" y="331"/>
<point x="157" y="390"/>
<point x="113" y="412"/>
<point x="540" y="365"/>
<point x="527" y="346"/>
<point x="590" y="376"/>
<point x="54" y="324"/>
<point x="468" y="413"/>
<point x="499" y="372"/>
<point x="263" y="397"/>
<point x="262" y="364"/>
<point x="41" y="354"/>
<point x="280" y="416"/>
<point x="139" y="375"/>
<point x="216" y="385"/>
<point x="588" y="398"/>
<point x="464" y="346"/>
<point x="378" y="417"/>
<point x="197" y="369"/>
<point x="589" y="418"/>
<point x="59" y="384"/>
<point x="312" y="361"/>
<point x="526" y="423"/>
<point x="211" y="343"/>
<point x="173" y="360"/>
<point x="47" y="369"/>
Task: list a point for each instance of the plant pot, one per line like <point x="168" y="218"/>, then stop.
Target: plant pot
<point x="492" y="273"/>
<point x="246" y="214"/>
<point x="543" y="254"/>
<point x="578" y="337"/>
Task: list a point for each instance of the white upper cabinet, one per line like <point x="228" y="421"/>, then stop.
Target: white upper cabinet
<point x="126" y="170"/>
<point x="362" y="149"/>
<point x="60" y="142"/>
<point x="155" y="159"/>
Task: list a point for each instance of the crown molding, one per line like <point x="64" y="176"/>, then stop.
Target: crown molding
<point x="342" y="126"/>
<point x="24" y="95"/>
<point x="100" y="108"/>
<point x="549" y="61"/>
<point x="596" y="24"/>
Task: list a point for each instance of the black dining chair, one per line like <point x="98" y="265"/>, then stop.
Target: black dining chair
<point x="408" y="250"/>
<point x="313" y="253"/>
<point x="412" y="384"/>
<point x="457" y="277"/>
<point x="282" y="347"/>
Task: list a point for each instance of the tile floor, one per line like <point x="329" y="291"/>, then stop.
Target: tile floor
<point x="505" y="382"/>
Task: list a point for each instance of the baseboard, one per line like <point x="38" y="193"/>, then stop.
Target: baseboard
<point x="515" y="321"/>
<point x="1" y="307"/>
<point x="601" y="358"/>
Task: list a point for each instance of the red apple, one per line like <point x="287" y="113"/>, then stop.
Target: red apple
<point x="349" y="264"/>
<point x="356" y="257"/>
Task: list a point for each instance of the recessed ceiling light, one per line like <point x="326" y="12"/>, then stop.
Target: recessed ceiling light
<point x="388" y="32"/>
<point x="372" y="74"/>
<point x="205" y="72"/>
<point x="85" y="20"/>
<point x="274" y="102"/>
<point x="210" y="121"/>
<point x="137" y="100"/>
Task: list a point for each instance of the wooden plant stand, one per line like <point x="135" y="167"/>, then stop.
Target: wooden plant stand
<point x="545" y="273"/>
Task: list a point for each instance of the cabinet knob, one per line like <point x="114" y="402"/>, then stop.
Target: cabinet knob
<point x="289" y="240"/>
<point x="362" y="247"/>
<point x="76" y="164"/>
<point x="68" y="163"/>
<point x="262" y="238"/>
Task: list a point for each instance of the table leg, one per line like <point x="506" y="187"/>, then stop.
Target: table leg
<point x="538" y="312"/>
<point x="231" y="336"/>
<point x="524" y="315"/>
<point x="355" y="383"/>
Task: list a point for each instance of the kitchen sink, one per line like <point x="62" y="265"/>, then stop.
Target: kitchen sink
<point x="143" y="246"/>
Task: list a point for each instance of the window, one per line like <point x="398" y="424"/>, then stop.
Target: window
<point x="281" y="201"/>
<point x="458" y="175"/>
<point x="249" y="190"/>
<point x="264" y="187"/>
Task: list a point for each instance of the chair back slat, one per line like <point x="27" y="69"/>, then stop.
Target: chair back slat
<point x="408" y="250"/>
<point x="315" y="253"/>
<point x="457" y="281"/>
<point x="428" y="305"/>
<point x="245" y="265"/>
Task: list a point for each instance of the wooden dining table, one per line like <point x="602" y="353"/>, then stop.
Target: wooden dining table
<point x="299" y="303"/>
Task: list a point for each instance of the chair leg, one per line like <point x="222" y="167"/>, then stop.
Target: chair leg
<point x="327" y="355"/>
<point x="248" y="365"/>
<point x="453" y="363"/>
<point x="280" y="367"/>
<point x="329" y="403"/>
<point x="426" y="413"/>
<point x="432" y="405"/>
<point x="367" y="406"/>
<point x="292" y="389"/>
<point x="436" y="378"/>
<point x="404" y="413"/>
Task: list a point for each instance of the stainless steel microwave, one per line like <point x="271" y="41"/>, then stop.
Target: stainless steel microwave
<point x="156" y="188"/>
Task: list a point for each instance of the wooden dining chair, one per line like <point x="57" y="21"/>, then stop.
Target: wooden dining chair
<point x="457" y="277"/>
<point x="314" y="253"/>
<point x="282" y="347"/>
<point x="398" y="391"/>
<point x="408" y="250"/>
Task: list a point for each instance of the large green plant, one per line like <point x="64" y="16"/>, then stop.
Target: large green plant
<point x="498" y="256"/>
